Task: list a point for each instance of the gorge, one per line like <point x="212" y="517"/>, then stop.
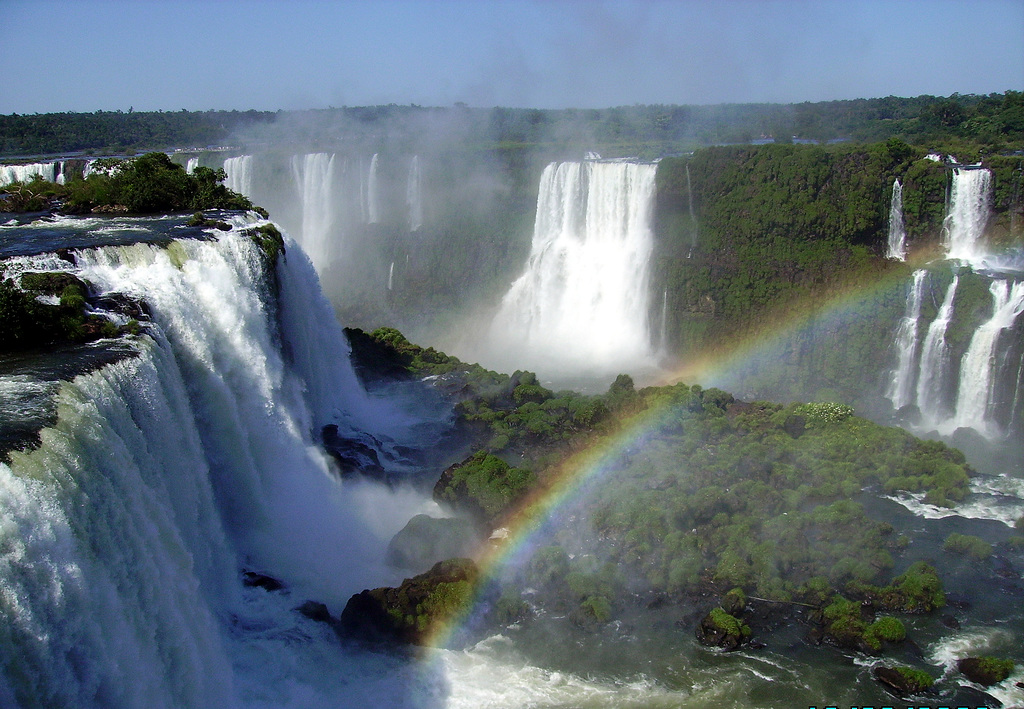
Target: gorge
<point x="250" y="375"/>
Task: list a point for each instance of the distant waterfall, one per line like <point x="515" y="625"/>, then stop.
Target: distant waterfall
<point x="977" y="368"/>
<point x="372" y="193"/>
<point x="314" y="177"/>
<point x="191" y="165"/>
<point x="897" y="229"/>
<point x="239" y="171"/>
<point x="25" y="173"/>
<point x="414" y="195"/>
<point x="693" y="217"/>
<point x="969" y="206"/>
<point x="583" y="299"/>
<point x="901" y="390"/>
<point x="934" y="359"/>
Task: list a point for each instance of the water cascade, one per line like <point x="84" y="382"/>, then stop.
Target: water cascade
<point x="314" y="178"/>
<point x="372" y="190"/>
<point x="414" y="195"/>
<point x="583" y="300"/>
<point x="901" y="390"/>
<point x="693" y="218"/>
<point x="25" y="173"/>
<point x="166" y="473"/>
<point x="191" y="165"/>
<point x="239" y="171"/>
<point x="975" y="392"/>
<point x="897" y="229"/>
<point x="934" y="359"/>
<point x="969" y="206"/>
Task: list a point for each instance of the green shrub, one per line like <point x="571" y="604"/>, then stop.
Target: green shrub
<point x="968" y="545"/>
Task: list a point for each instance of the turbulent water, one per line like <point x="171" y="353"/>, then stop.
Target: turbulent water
<point x="582" y="303"/>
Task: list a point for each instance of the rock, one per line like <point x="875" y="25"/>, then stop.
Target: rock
<point x="970" y="697"/>
<point x="415" y="611"/>
<point x="314" y="610"/>
<point x="353" y="455"/>
<point x="719" y="629"/>
<point x="734" y="602"/>
<point x="267" y="583"/>
<point x="903" y="681"/>
<point x="985" y="671"/>
<point x="424" y="541"/>
<point x="950" y="622"/>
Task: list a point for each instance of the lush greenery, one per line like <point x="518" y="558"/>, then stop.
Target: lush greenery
<point x="968" y="545"/>
<point x="49" y="308"/>
<point x="148" y="184"/>
<point x="483" y="485"/>
<point x="986" y="670"/>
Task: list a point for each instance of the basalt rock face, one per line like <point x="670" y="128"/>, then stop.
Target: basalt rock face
<point x="415" y="611"/>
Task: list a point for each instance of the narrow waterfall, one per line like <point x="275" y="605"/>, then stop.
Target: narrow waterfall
<point x="897" y="229"/>
<point x="372" y="196"/>
<point x="969" y="206"/>
<point x="901" y="389"/>
<point x="191" y="165"/>
<point x="239" y="171"/>
<point x="391" y="275"/>
<point x="414" y="195"/>
<point x="314" y="178"/>
<point x="125" y="531"/>
<point x="693" y="218"/>
<point x="977" y="369"/>
<point x="582" y="302"/>
<point x="934" y="360"/>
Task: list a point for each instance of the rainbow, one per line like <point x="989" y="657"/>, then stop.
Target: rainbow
<point x="571" y="478"/>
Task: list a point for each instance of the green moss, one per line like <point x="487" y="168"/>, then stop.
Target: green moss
<point x="888" y="629"/>
<point x="484" y="483"/>
<point x="968" y="545"/>
<point x="916" y="680"/>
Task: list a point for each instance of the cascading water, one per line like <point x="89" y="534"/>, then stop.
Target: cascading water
<point x="969" y="206"/>
<point x="124" y="532"/>
<point x="582" y="302"/>
<point x="372" y="190"/>
<point x="239" y="172"/>
<point x="974" y="394"/>
<point x="897" y="229"/>
<point x="901" y="389"/>
<point x="25" y="173"/>
<point x="314" y="178"/>
<point x="934" y="359"/>
<point x="414" y="195"/>
<point x="191" y="165"/>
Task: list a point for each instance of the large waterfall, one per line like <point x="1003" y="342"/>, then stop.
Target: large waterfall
<point x="314" y="176"/>
<point x="125" y="532"/>
<point x="582" y="303"/>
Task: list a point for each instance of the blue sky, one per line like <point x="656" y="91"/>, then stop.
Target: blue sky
<point x="82" y="55"/>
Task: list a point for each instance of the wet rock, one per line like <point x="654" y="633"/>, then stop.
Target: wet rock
<point x="985" y="671"/>
<point x="903" y="681"/>
<point x="424" y="541"/>
<point x="719" y="629"/>
<point x="257" y="580"/>
<point x="314" y="610"/>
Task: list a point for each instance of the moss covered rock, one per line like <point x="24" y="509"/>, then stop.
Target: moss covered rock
<point x="985" y="670"/>
<point x="415" y="611"/>
<point x="719" y="629"/>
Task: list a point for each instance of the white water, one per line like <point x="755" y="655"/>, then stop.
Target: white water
<point x="372" y="197"/>
<point x="969" y="206"/>
<point x="934" y="359"/>
<point x="974" y="394"/>
<point x="901" y="389"/>
<point x="314" y="178"/>
<point x="123" y="534"/>
<point x="414" y="196"/>
<point x="897" y="230"/>
<point x="25" y="173"/>
<point x="582" y="302"/>
<point x="191" y="165"/>
<point x="239" y="172"/>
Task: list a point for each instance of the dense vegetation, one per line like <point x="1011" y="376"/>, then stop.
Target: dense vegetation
<point x="995" y="121"/>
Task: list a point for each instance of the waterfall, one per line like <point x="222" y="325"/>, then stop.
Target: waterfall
<point x="239" y="171"/>
<point x="124" y="532"/>
<point x="901" y="389"/>
<point x="25" y="173"/>
<point x="414" y="195"/>
<point x="934" y="358"/>
<point x="969" y="206"/>
<point x="314" y="178"/>
<point x="191" y="165"/>
<point x="693" y="218"/>
<point x="663" y="325"/>
<point x="582" y="300"/>
<point x="974" y="394"/>
<point x="372" y="198"/>
<point x="391" y="275"/>
<point x="897" y="229"/>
